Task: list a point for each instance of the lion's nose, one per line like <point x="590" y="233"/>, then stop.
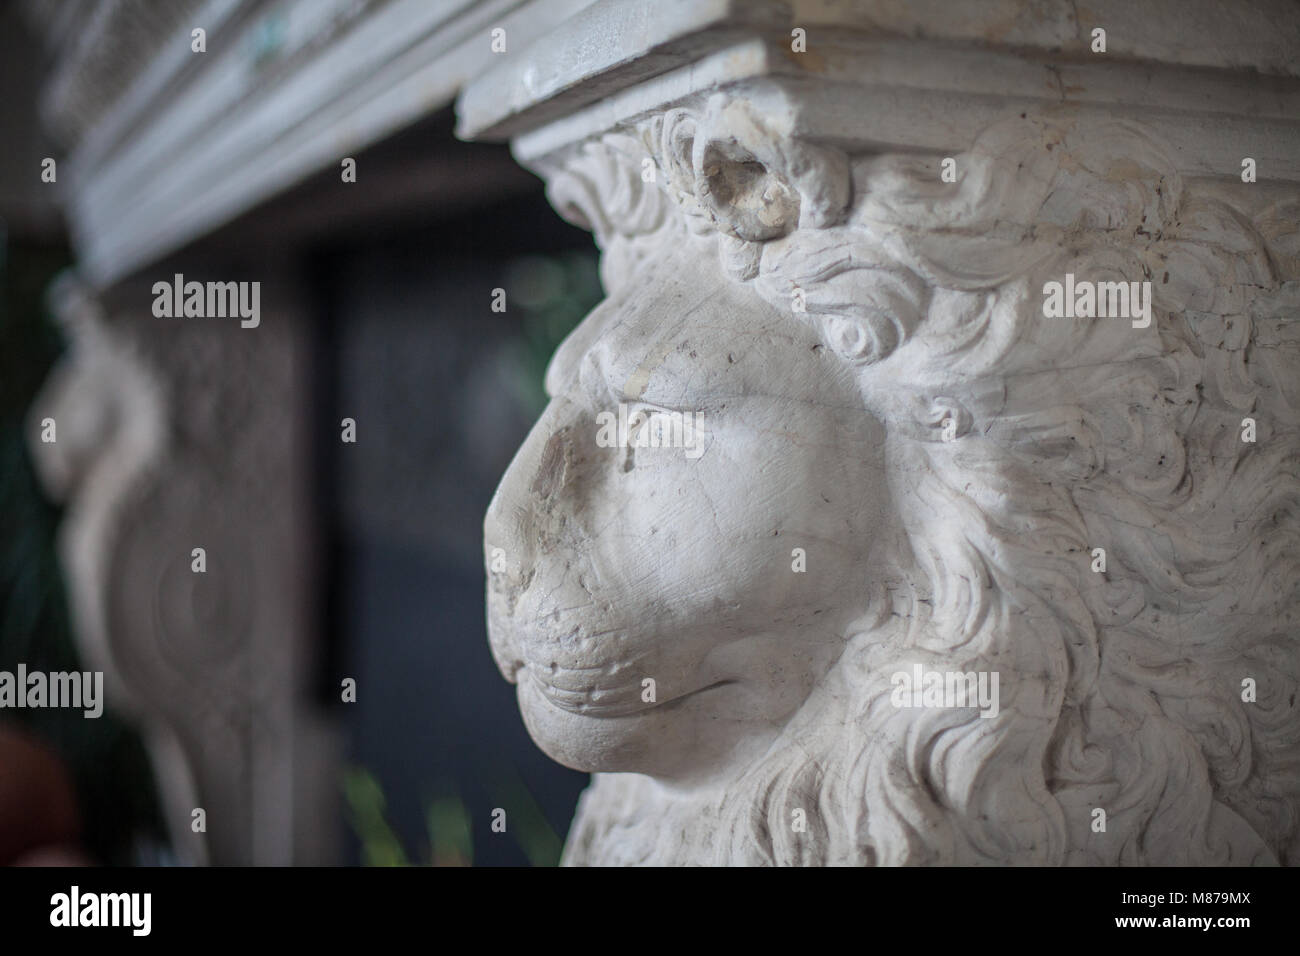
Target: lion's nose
<point x="512" y="528"/>
<point x="523" y="518"/>
<point x="520" y="524"/>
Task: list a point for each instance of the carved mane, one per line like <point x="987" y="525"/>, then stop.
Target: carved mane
<point x="1121" y="690"/>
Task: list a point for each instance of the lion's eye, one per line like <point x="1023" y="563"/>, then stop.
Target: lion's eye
<point x="639" y="420"/>
<point x="637" y="427"/>
<point x="651" y="427"/>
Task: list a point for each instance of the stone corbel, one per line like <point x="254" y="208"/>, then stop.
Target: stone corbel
<point x="164" y="444"/>
<point x="893" y="190"/>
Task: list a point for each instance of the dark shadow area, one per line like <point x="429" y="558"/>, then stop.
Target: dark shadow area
<point x="442" y="390"/>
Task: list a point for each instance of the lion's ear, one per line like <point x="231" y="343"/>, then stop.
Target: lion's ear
<point x="743" y="196"/>
<point x="752" y="181"/>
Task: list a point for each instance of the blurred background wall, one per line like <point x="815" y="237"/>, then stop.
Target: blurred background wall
<point x="447" y="390"/>
<point x="377" y="307"/>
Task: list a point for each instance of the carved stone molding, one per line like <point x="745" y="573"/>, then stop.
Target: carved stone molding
<point x="168" y="440"/>
<point x="166" y="145"/>
<point x="884" y="391"/>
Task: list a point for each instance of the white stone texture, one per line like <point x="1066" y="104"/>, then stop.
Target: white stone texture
<point x="946" y="455"/>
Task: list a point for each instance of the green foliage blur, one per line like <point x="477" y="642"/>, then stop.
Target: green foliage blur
<point x="447" y="821"/>
<point x="553" y="293"/>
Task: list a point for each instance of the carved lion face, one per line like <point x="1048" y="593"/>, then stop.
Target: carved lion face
<point x="675" y="565"/>
<point x="882" y="388"/>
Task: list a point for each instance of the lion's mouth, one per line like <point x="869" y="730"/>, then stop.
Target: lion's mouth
<point x="568" y="691"/>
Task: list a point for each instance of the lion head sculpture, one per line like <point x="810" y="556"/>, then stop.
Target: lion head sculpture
<point x="906" y="464"/>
